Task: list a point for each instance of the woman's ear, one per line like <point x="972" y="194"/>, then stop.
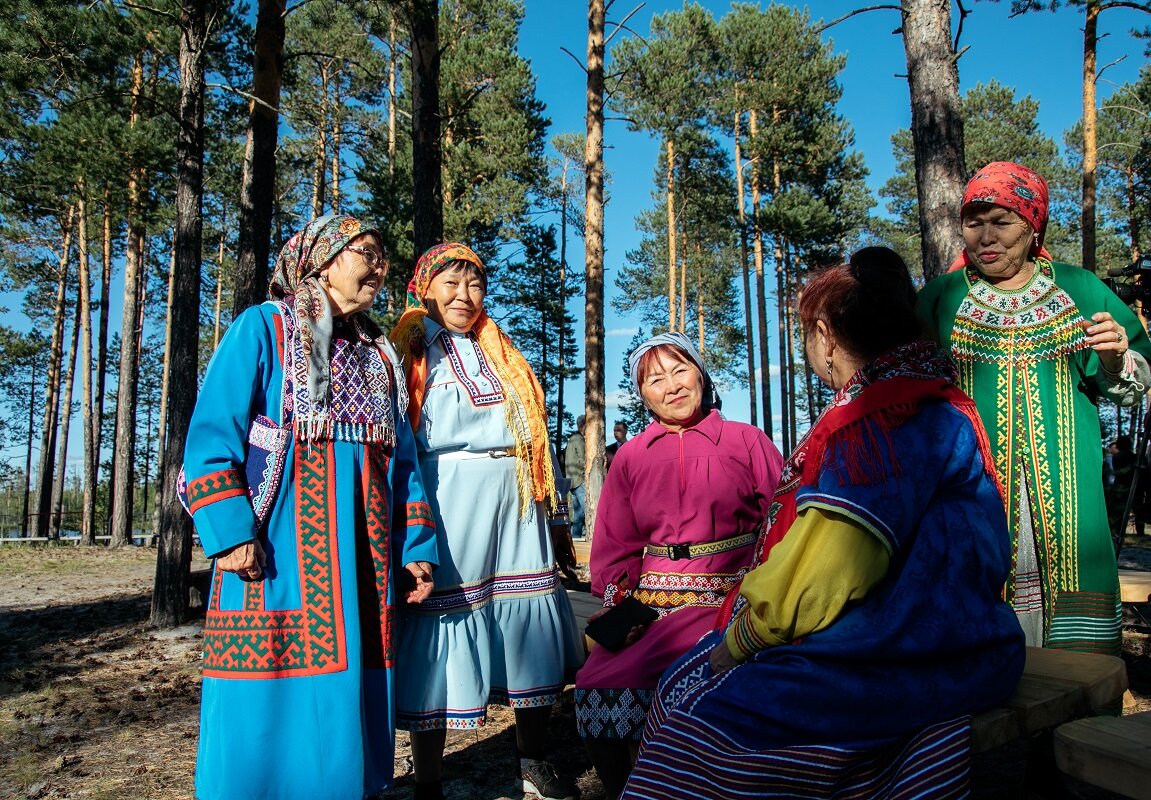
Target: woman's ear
<point x="825" y="338"/>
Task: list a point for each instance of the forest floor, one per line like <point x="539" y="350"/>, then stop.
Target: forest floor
<point x="96" y="704"/>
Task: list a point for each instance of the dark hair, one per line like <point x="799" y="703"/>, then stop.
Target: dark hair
<point x="710" y="395"/>
<point x="868" y="303"/>
<point x="467" y="269"/>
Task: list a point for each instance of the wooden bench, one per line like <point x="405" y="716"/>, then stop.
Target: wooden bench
<point x="1113" y="753"/>
<point x="1057" y="686"/>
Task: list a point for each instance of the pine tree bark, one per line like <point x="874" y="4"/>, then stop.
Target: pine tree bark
<point x="65" y="430"/>
<point x="91" y="454"/>
<point x="51" y="421"/>
<point x="593" y="264"/>
<point x="173" y="561"/>
<point x="1090" y="150"/>
<point x="936" y="128"/>
<point x="101" y="376"/>
<point x="258" y="189"/>
<point x="760" y="287"/>
<point x="744" y="274"/>
<point x="165" y="386"/>
<point x="427" y="179"/>
<point x="671" y="306"/>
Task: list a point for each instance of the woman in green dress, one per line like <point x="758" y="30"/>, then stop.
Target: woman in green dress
<point x="1038" y="345"/>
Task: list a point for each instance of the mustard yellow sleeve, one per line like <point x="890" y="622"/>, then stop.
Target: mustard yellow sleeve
<point x="823" y="563"/>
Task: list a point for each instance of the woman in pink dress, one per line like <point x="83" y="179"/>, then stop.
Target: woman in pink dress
<point x="675" y="528"/>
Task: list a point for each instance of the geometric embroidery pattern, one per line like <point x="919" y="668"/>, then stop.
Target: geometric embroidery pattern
<point x="478" y="396"/>
<point x="214" y="487"/>
<point x="374" y="569"/>
<point x="612" y="713"/>
<point x="419" y="513"/>
<point x="497" y="587"/>
<point x="258" y="643"/>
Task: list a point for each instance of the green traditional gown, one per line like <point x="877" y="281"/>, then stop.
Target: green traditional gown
<point x="1023" y="356"/>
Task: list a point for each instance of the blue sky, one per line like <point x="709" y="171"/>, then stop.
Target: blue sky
<point x="1038" y="54"/>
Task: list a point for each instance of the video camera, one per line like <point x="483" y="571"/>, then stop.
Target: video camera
<point x="1137" y="287"/>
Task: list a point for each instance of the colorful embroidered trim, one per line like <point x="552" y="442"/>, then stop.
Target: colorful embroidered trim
<point x="498" y="587"/>
<point x="419" y="513"/>
<point x="214" y="487"/>
<point x="259" y="643"/>
<point x="478" y="396"/>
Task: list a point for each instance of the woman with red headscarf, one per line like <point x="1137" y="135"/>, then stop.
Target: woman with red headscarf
<point x="1038" y="344"/>
<point x="498" y="628"/>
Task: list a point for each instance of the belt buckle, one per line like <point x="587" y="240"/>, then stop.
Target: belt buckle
<point x="498" y="454"/>
<point x="677" y="551"/>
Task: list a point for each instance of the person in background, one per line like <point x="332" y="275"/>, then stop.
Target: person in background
<point x="676" y="525"/>
<point x="574" y="460"/>
<point x="499" y="627"/>
<point x="306" y="389"/>
<point x="1038" y="345"/>
<point x="619" y="432"/>
<point x="874" y="625"/>
<point x="1117" y="491"/>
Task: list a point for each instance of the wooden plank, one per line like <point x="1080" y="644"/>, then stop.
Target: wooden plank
<point x="993" y="728"/>
<point x="1103" y="678"/>
<point x="1113" y="753"/>
<point x="1135" y="585"/>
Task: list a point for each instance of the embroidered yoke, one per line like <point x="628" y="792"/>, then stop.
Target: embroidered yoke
<point x="1023" y="356"/>
<point x="316" y="632"/>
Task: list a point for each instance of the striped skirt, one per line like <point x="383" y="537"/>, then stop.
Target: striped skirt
<point x="686" y="756"/>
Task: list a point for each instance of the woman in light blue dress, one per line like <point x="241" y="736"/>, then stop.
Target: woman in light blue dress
<point x="499" y="627"/>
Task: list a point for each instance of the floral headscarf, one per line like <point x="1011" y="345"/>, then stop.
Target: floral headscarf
<point x="362" y="408"/>
<point x="1016" y="188"/>
<point x="533" y="466"/>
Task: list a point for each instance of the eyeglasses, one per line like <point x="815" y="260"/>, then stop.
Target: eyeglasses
<point x="373" y="258"/>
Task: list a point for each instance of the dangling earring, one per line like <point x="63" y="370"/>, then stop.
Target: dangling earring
<point x="1036" y="248"/>
<point x="828" y="365"/>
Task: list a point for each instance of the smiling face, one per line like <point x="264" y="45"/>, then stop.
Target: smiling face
<point x="351" y="283"/>
<point x="672" y="389"/>
<point x="998" y="242"/>
<point x="455" y="297"/>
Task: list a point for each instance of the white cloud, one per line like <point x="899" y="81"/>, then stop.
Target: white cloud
<point x="621" y="332"/>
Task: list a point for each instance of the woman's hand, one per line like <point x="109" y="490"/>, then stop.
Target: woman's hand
<point x="633" y="634"/>
<point x="1108" y="339"/>
<point x="721" y="659"/>
<point x="246" y="560"/>
<point x="421" y="572"/>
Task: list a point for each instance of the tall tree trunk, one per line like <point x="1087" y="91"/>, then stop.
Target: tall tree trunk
<point x="336" y="168"/>
<point x="683" y="282"/>
<point x="258" y="184"/>
<point x="25" y="522"/>
<point x="52" y="399"/>
<point x="124" y="453"/>
<point x="760" y="287"/>
<point x="91" y="444"/>
<point x="320" y="147"/>
<point x="744" y="270"/>
<point x="562" y="357"/>
<point x="787" y="405"/>
<point x="65" y="428"/>
<point x="671" y="313"/>
<point x="1090" y="152"/>
<point x="165" y="389"/>
<point x="788" y="308"/>
<point x="427" y="180"/>
<point x="101" y="377"/>
<point x="593" y="263"/>
<point x="219" y="288"/>
<point x="699" y="322"/>
<point x="936" y="127"/>
<point x="392" y="69"/>
<point x="1134" y="221"/>
<point x="173" y="561"/>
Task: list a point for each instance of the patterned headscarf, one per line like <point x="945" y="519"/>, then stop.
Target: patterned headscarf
<point x="680" y="342"/>
<point x="362" y="411"/>
<point x="1016" y="188"/>
<point x="530" y="430"/>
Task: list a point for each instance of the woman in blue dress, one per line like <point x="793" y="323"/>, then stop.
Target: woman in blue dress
<point x="874" y="625"/>
<point x="302" y="480"/>
<point x="499" y="627"/>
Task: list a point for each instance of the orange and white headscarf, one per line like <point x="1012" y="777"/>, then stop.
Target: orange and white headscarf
<point x="529" y="429"/>
<point x="1016" y="188"/>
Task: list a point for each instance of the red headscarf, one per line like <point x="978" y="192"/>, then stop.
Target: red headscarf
<point x="1016" y="188"/>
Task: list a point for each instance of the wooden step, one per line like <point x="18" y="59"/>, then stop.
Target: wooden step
<point x="1113" y="753"/>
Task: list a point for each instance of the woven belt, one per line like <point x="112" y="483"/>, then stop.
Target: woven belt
<point x="679" y="551"/>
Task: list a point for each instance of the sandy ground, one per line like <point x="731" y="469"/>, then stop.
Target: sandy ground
<point x="95" y="704"/>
